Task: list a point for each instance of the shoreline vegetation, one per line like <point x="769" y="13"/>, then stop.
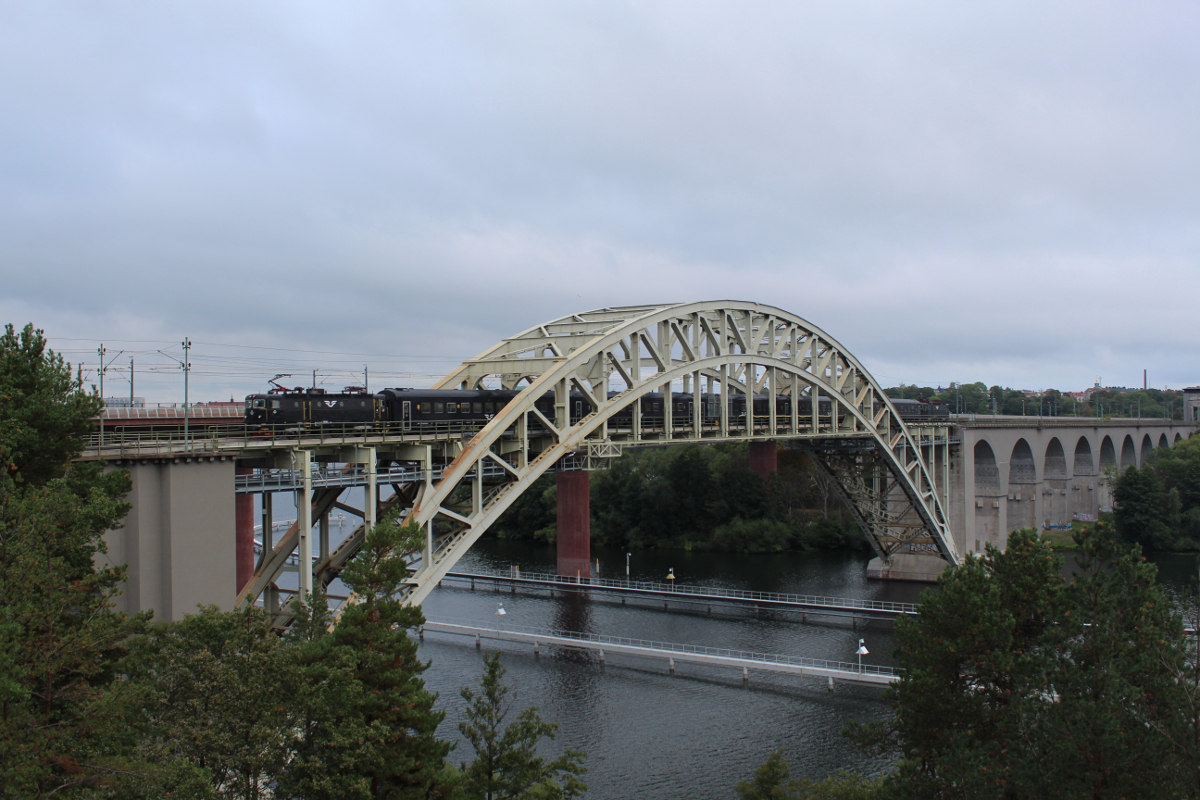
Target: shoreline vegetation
<point x="96" y="704"/>
<point x="979" y="398"/>
<point x="697" y="497"/>
<point x="1021" y="677"/>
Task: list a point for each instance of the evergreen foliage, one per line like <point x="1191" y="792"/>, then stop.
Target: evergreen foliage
<point x="773" y="781"/>
<point x="367" y="722"/>
<point x="1141" y="510"/>
<point x="60" y="639"/>
<point x="506" y="765"/>
<point x="44" y="412"/>
<point x="94" y="703"/>
<point x="213" y="690"/>
<point x="1158" y="506"/>
<point x="1017" y="683"/>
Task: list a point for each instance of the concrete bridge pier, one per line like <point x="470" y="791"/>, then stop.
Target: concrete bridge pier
<point x="764" y="458"/>
<point x="244" y="512"/>
<point x="574" y="524"/>
<point x="179" y="542"/>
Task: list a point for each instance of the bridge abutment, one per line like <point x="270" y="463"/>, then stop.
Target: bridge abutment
<point x="574" y="524"/>
<point x="178" y="541"/>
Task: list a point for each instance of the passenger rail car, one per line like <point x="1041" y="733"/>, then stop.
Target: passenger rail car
<point x="423" y="407"/>
<point x="920" y="409"/>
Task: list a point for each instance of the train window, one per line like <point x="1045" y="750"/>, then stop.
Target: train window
<point x="658" y="406"/>
<point x="477" y="408"/>
<point x="489" y="408"/>
<point x="274" y="404"/>
<point x="438" y="408"/>
<point x="451" y="408"/>
<point x="423" y="408"/>
<point x="260" y="403"/>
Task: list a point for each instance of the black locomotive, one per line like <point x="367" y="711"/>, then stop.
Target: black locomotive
<point x="425" y="407"/>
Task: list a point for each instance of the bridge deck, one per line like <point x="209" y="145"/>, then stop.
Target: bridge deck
<point x="683" y="653"/>
<point x="243" y="441"/>
<point x="841" y="606"/>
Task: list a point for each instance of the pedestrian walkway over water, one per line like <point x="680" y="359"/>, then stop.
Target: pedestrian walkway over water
<point x="702" y="595"/>
<point x="669" y="652"/>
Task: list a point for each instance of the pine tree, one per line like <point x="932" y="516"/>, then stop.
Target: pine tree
<point x="367" y="722"/>
<point x="1113" y="678"/>
<point x="215" y="690"/>
<point x="44" y="412"/>
<point x="506" y="765"/>
<point x="1018" y="683"/>
<point x="773" y="781"/>
<point x="973" y="669"/>
<point x="330" y="734"/>
<point x="1143" y="509"/>
<point x="61" y="638"/>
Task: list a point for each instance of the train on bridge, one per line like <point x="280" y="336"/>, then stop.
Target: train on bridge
<point x="421" y="407"/>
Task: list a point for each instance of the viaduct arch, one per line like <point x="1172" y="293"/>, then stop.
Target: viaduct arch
<point x="1016" y="472"/>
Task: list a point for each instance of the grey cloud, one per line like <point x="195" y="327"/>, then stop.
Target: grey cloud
<point x="1004" y="193"/>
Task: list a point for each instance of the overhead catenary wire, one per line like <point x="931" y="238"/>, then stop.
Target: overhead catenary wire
<point x="230" y="374"/>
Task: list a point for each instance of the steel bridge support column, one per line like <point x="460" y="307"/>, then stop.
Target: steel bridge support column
<point x="574" y="524"/>
<point x="764" y="458"/>
<point x="244" y="537"/>
<point x="270" y="596"/>
<point x="371" y="500"/>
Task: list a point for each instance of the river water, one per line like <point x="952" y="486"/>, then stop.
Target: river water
<point x="697" y="733"/>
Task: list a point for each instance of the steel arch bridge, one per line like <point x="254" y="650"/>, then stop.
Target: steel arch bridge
<point x="888" y="474"/>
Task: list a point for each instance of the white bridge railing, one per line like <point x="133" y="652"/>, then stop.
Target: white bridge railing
<point x="717" y="656"/>
<point x="686" y="590"/>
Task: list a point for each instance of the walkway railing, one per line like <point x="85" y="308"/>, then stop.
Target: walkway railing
<point x="693" y="591"/>
<point x="865" y="673"/>
<point x="1011" y="421"/>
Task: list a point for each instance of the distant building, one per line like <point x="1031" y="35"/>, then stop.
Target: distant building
<point x="1087" y="393"/>
<point x="1191" y="404"/>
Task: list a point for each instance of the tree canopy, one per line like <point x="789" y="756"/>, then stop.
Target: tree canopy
<point x="1158" y="506"/>
<point x="698" y="496"/>
<point x="1020" y="683"/>
<point x="507" y="765"/>
<point x="979" y="398"/>
<point x="61" y="641"/>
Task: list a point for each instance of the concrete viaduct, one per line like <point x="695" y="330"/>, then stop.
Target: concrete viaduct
<point x="1008" y="473"/>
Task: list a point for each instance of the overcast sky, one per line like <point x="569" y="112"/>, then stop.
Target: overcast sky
<point x="956" y="191"/>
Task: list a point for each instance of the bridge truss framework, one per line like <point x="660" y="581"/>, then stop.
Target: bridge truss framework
<point x="893" y="478"/>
